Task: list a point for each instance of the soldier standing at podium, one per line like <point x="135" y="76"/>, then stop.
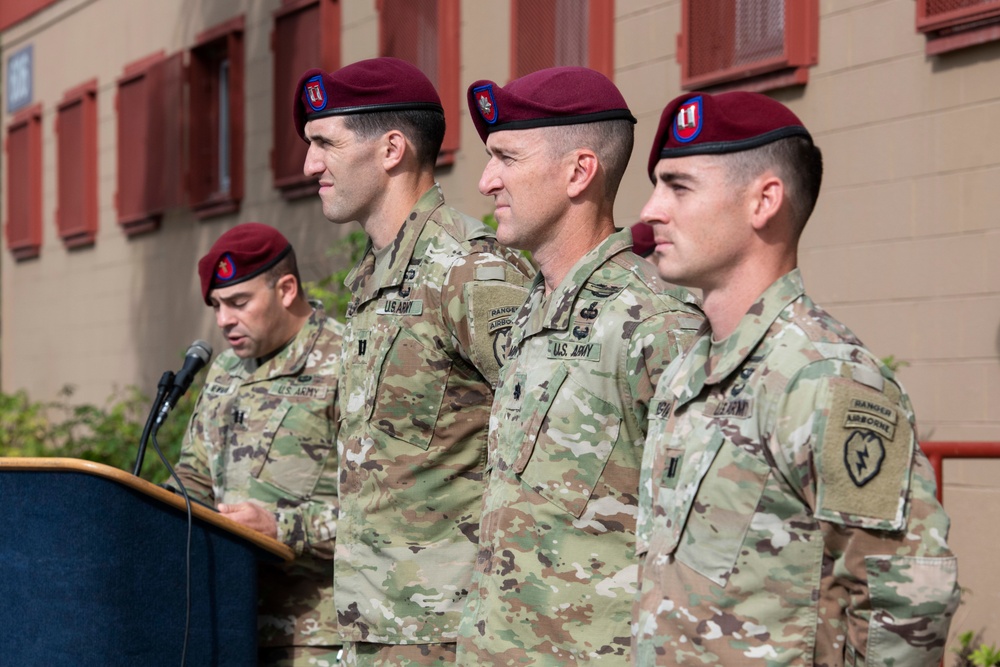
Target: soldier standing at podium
<point x="261" y="442"/>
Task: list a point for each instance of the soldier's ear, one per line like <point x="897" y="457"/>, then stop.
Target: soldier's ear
<point x="393" y="149"/>
<point x="767" y="194"/>
<point x="288" y="289"/>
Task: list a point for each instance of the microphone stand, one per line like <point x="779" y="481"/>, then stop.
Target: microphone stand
<point x="166" y="382"/>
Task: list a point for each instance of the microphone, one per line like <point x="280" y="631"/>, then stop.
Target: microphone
<point x="197" y="356"/>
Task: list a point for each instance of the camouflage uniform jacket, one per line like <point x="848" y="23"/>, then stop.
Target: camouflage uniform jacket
<point x="422" y="348"/>
<point x="267" y="434"/>
<point x="557" y="570"/>
<point x="787" y="515"/>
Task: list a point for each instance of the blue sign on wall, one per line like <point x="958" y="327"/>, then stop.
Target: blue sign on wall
<point x="19" y="77"/>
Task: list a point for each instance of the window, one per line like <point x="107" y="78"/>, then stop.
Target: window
<point x="216" y="110"/>
<point x="76" y="134"/>
<point x="306" y="35"/>
<point x="150" y="150"/>
<point x="748" y="44"/>
<point x="24" y="183"/>
<point x="954" y="24"/>
<point x="559" y="33"/>
<point x="425" y="34"/>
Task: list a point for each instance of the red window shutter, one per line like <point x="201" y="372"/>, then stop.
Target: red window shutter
<point x="306" y="35"/>
<point x="762" y="44"/>
<point x="560" y="33"/>
<point x="425" y="33"/>
<point x="24" y="183"/>
<point x="76" y="130"/>
<point x="215" y="180"/>
<point x="954" y="24"/>
<point x="150" y="118"/>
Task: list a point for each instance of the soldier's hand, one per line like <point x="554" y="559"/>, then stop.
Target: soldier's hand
<point x="252" y="516"/>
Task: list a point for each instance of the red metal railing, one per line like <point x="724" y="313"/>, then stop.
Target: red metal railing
<point x="938" y="451"/>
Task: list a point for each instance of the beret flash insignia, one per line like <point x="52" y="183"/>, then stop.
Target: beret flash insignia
<point x="688" y="121"/>
<point x="486" y="103"/>
<point x="315" y="93"/>
<point x="226" y="269"/>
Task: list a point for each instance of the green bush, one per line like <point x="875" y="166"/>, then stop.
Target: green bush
<point x="972" y="652"/>
<point x="106" y="434"/>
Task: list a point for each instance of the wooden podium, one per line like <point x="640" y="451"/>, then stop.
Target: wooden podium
<point x="93" y="567"/>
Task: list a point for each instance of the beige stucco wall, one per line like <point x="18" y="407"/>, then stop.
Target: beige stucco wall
<point x="902" y="246"/>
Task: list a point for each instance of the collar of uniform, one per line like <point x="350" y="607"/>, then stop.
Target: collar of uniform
<point x="292" y="359"/>
<point x="707" y="364"/>
<point x="559" y="312"/>
<point x="400" y="251"/>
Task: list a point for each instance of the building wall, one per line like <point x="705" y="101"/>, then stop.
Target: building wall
<point x="902" y="245"/>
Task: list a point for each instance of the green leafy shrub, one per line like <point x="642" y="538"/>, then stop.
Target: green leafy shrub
<point x="972" y="652"/>
<point x="106" y="434"/>
<point x="330" y="291"/>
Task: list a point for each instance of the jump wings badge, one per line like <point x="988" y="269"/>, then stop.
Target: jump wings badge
<point x="486" y="103"/>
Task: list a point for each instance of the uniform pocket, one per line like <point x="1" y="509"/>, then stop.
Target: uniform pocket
<point x="300" y="443"/>
<point x="568" y="440"/>
<point x="721" y="504"/>
<point x="411" y="386"/>
<point x="913" y="601"/>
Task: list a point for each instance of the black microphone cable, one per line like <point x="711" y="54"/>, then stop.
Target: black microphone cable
<point x="187" y="551"/>
<point x="166" y="381"/>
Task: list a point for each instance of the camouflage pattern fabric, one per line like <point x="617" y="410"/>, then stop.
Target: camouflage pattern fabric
<point x="422" y="346"/>
<point x="787" y="515"/>
<point x="268" y="434"/>
<point x="557" y="569"/>
<point x="364" y="654"/>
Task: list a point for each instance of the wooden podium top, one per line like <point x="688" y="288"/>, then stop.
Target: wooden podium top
<point x="56" y="464"/>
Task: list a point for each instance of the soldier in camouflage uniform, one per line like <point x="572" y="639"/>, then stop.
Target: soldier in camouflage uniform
<point x="261" y="444"/>
<point x="432" y="301"/>
<point x="787" y="515"/>
<point x="557" y="569"/>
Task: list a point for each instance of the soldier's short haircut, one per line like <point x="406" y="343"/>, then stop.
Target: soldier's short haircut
<point x="424" y="129"/>
<point x="797" y="162"/>
<point x="611" y="141"/>
<point x="287" y="265"/>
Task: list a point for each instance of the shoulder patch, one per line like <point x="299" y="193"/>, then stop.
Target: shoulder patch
<point x="865" y="452"/>
<point x="492" y="307"/>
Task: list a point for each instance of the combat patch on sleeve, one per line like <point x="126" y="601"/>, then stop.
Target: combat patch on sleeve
<point x="492" y="306"/>
<point x="864" y="452"/>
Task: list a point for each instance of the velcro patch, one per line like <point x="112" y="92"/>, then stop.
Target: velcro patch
<point x="318" y="391"/>
<point x="740" y="408"/>
<point x="571" y="349"/>
<point x="400" y="307"/>
<point x="865" y="452"/>
<point x="493" y="305"/>
<point x="216" y="389"/>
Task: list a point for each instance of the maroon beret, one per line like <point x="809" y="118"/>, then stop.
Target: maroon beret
<point x="703" y="124"/>
<point x="554" y="96"/>
<point x="642" y="239"/>
<point x="378" y="84"/>
<point x="243" y="252"/>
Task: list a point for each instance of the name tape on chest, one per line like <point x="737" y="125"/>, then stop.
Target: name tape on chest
<point x="299" y="390"/>
<point x="566" y="349"/>
<point x="217" y="389"/>
<point x="400" y="307"/>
